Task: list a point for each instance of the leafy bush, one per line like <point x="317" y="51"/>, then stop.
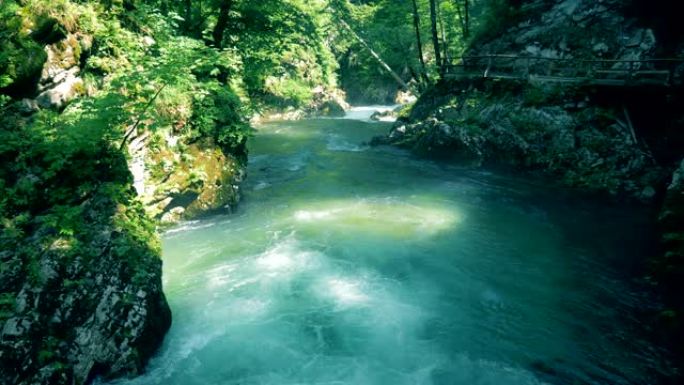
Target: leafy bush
<point x="495" y="17"/>
<point x="21" y="58"/>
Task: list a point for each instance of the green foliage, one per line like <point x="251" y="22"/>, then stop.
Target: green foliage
<point x="21" y="58"/>
<point x="387" y="27"/>
<point x="493" y="17"/>
<point x="7" y="303"/>
<point x="220" y="116"/>
<point x="282" y="45"/>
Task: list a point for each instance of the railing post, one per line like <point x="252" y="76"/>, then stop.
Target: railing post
<point x="489" y="66"/>
<point x="630" y="73"/>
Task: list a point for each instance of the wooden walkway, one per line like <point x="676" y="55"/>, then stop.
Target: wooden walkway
<point x="656" y="72"/>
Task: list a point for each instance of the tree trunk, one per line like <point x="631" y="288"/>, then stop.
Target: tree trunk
<point x="188" y="15"/>
<point x="222" y="22"/>
<point x="377" y="57"/>
<point x="445" y="39"/>
<point x="466" y="30"/>
<point x="416" y="25"/>
<point x="463" y="9"/>
<point x="435" y="35"/>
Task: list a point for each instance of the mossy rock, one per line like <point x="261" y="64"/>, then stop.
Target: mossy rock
<point x="24" y="74"/>
<point x="48" y="31"/>
<point x="332" y="109"/>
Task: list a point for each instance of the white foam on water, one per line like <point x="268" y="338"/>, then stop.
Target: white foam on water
<point x="262" y="185"/>
<point x="220" y="276"/>
<point x="337" y="143"/>
<point x="363" y="113"/>
<point x="345" y="292"/>
<point x="286" y="256"/>
<point x="190" y="226"/>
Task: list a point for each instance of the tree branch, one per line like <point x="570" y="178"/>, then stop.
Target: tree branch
<point x="134" y="127"/>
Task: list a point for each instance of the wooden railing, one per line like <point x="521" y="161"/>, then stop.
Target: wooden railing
<point x="662" y="72"/>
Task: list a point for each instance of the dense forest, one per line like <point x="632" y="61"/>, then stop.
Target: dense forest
<point x="121" y="119"/>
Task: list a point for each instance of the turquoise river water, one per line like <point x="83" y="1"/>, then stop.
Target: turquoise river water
<point x="346" y="264"/>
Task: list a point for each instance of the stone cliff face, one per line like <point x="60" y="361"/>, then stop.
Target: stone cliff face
<point x="572" y="29"/>
<point x="86" y="306"/>
<point x="668" y="267"/>
<point x="178" y="180"/>
<point x="60" y="81"/>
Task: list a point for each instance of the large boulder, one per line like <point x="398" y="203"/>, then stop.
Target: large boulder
<point x="86" y="305"/>
<point x="59" y="82"/>
<point x="177" y="181"/>
<point x="328" y="103"/>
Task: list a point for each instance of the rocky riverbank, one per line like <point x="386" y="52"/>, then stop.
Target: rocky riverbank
<point x="324" y="103"/>
<point x="553" y="130"/>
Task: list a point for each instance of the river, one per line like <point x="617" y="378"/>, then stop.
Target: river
<point x="346" y="264"/>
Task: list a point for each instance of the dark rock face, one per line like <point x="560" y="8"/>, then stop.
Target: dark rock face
<point x="85" y="307"/>
<point x="570" y="29"/>
<point x="575" y="133"/>
<point x="668" y="268"/>
<point x="585" y="146"/>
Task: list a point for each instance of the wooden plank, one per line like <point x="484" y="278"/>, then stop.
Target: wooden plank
<point x="653" y="72"/>
<point x="527" y="67"/>
<point x="611" y="72"/>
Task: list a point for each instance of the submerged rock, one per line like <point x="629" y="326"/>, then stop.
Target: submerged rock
<point x="384" y="116"/>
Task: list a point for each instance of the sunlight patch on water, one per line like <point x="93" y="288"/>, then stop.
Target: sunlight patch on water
<point x="386" y="216"/>
<point x="285" y="130"/>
